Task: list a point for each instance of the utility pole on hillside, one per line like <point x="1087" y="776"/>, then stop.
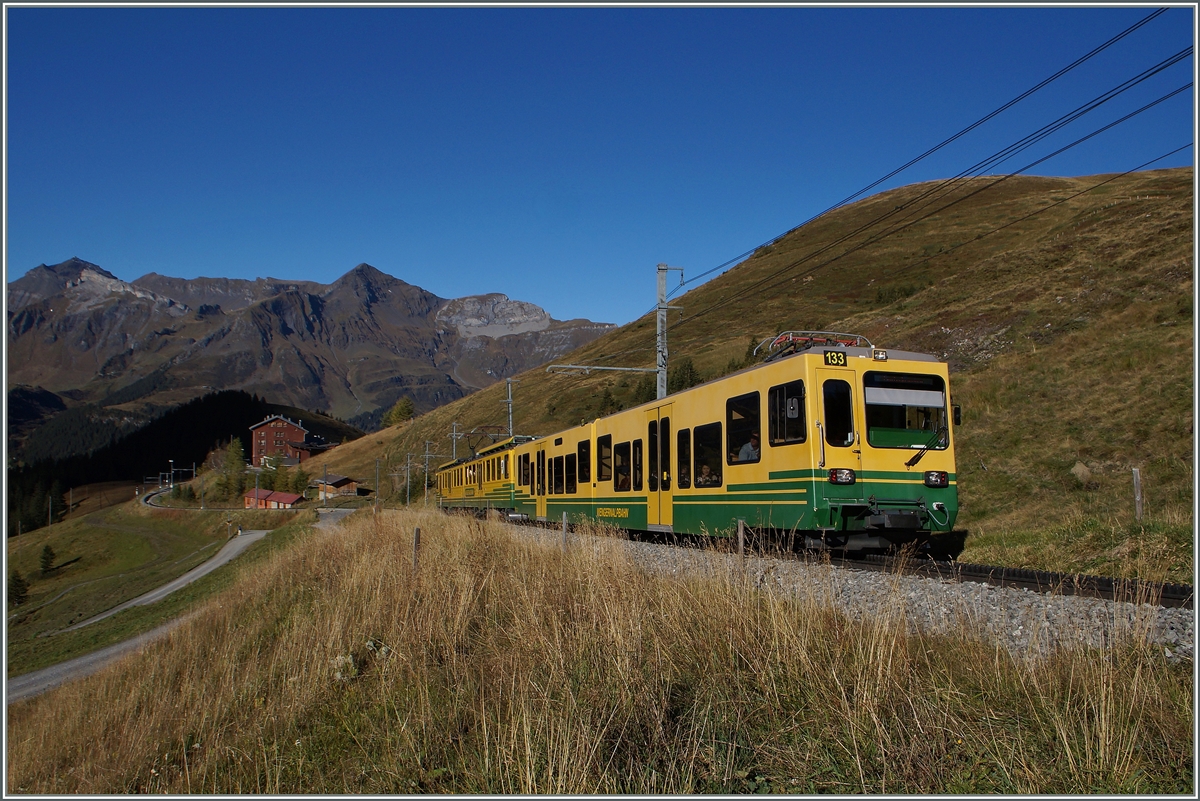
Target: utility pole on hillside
<point x="428" y="454"/>
<point x="660" y="345"/>
<point x="454" y="438"/>
<point x="510" y="382"/>
<point x="408" y="480"/>
<point x="661" y="308"/>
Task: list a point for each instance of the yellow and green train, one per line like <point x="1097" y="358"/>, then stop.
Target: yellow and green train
<point x="830" y="439"/>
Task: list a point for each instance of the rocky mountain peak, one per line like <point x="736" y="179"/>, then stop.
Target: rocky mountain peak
<point x="492" y="315"/>
<point x="45" y="281"/>
<point x="366" y="281"/>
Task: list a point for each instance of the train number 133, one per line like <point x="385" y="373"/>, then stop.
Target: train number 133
<point x="837" y="358"/>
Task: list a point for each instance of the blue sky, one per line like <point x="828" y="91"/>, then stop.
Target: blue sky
<point x="555" y="155"/>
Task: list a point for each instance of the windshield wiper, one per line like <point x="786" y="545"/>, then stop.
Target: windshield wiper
<point x="937" y="437"/>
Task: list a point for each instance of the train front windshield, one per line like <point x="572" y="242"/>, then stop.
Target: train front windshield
<point x="906" y="410"/>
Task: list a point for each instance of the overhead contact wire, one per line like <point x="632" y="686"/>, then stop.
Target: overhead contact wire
<point x="935" y="148"/>
<point x="760" y="284"/>
<point x="789" y="267"/>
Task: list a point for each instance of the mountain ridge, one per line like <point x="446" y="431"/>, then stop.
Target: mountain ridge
<point x="352" y="347"/>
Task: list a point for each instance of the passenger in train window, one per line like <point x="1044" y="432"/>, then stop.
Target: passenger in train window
<point x="707" y="477"/>
<point x="622" y="479"/>
<point x="749" y="451"/>
<point x="685" y="480"/>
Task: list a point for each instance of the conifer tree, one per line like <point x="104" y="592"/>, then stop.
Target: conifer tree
<point x="646" y="389"/>
<point x="18" y="588"/>
<point x="233" y="468"/>
<point x="402" y="410"/>
<point x="47" y="559"/>
<point x="300" y="481"/>
<point x="683" y="376"/>
<point x="282" y="478"/>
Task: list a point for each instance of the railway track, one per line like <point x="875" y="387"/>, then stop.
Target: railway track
<point x="1128" y="590"/>
<point x="1137" y="591"/>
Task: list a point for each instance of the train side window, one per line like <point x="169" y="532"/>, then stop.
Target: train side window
<point x="708" y="446"/>
<point x="523" y="470"/>
<point x="637" y="465"/>
<point x="585" y="461"/>
<point x="571" y="462"/>
<point x="620" y="466"/>
<point x="652" y="443"/>
<point x="684" y="449"/>
<point x="541" y="472"/>
<point x="742" y="416"/>
<point x="665" y="445"/>
<point x="557" y="476"/>
<point x="839" y="417"/>
<point x="604" y="458"/>
<point x="785" y="414"/>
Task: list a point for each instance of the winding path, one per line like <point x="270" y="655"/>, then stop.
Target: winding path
<point x="28" y="685"/>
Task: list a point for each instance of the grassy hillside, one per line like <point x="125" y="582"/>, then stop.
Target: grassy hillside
<point x="506" y="664"/>
<point x="101" y="560"/>
<point x="1063" y="305"/>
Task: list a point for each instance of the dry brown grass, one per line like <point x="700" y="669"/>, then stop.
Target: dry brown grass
<point x="507" y="664"/>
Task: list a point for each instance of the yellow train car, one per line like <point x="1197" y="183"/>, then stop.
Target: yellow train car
<point x="482" y="481"/>
<point x="831" y="439"/>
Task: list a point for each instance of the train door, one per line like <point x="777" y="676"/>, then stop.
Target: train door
<point x="659" y="479"/>
<point x="839" y="445"/>
<point x="540" y="484"/>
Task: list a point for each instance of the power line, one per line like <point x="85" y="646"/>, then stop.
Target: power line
<point x="939" y="146"/>
<point x="941" y="189"/>
<point x="1042" y="210"/>
<point x="944" y="188"/>
<point x="871" y="240"/>
<point x="760" y="284"/>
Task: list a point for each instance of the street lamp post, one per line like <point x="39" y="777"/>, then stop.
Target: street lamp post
<point x="171" y="483"/>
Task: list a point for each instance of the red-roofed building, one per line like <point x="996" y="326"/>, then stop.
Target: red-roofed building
<point x="268" y="499"/>
<point x="283" y="500"/>
<point x="257" y="498"/>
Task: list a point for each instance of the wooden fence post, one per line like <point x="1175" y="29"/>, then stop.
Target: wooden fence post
<point x="564" y="531"/>
<point x="741" y="537"/>
<point x="416" y="547"/>
<point x="1137" y="493"/>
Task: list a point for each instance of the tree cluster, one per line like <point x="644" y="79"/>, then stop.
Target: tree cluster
<point x="231" y="471"/>
<point x="34" y="505"/>
<point x="402" y="411"/>
<point x="281" y="478"/>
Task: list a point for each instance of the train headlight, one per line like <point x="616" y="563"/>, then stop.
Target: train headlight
<point x="841" y="475"/>
<point x="937" y="478"/>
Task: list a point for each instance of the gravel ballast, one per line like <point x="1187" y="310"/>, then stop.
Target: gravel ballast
<point x="1027" y="623"/>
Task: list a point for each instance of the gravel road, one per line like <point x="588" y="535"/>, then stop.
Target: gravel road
<point x="28" y="685"/>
